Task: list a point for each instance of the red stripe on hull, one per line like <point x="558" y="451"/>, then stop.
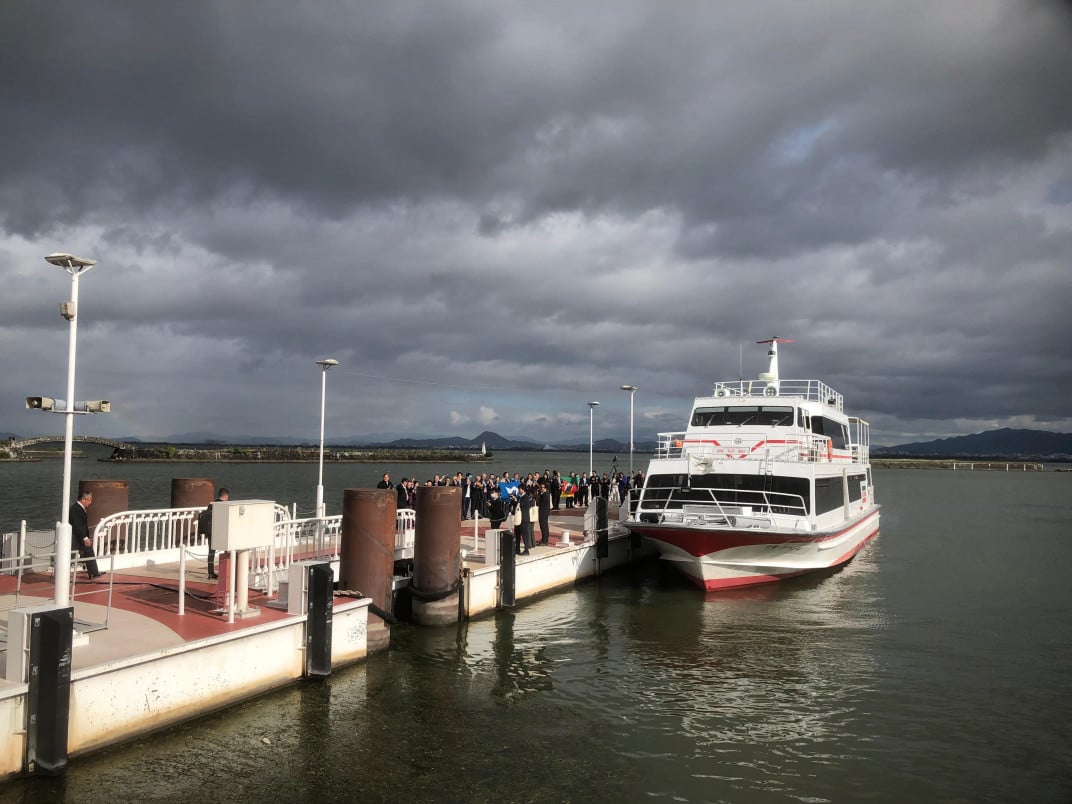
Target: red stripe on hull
<point x="699" y="542"/>
<point x="716" y="584"/>
<point x="696" y="565"/>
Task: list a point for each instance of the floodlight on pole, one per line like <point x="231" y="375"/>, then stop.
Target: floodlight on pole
<point x="75" y="266"/>
<point x="325" y="364"/>
<point x="591" y="435"/>
<point x="632" y="390"/>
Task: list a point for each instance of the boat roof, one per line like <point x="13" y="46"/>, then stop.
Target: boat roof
<point x="769" y="386"/>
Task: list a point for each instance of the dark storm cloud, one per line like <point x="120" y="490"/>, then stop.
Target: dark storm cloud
<point x="492" y="211"/>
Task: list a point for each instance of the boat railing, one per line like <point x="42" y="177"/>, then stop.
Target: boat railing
<point x="745" y="446"/>
<point x="728" y="506"/>
<point x="811" y="390"/>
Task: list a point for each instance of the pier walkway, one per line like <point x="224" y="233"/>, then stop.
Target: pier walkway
<point x="138" y="664"/>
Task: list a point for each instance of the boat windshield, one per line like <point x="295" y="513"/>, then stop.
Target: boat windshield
<point x="742" y="415"/>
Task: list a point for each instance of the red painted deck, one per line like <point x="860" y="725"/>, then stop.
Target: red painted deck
<point x="144" y="601"/>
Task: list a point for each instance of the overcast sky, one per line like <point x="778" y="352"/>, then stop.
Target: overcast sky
<point x="493" y="212"/>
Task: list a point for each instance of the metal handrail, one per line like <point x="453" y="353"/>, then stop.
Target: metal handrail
<point x="798" y="447"/>
<point x="727" y="502"/>
<point x="810" y="390"/>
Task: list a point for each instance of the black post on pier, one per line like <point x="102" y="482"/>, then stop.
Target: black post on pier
<point x="602" y="529"/>
<point x="319" y="581"/>
<point x="507" y="570"/>
<point x="48" y="702"/>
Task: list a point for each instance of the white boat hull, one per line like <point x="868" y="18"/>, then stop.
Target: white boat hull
<point x="725" y="558"/>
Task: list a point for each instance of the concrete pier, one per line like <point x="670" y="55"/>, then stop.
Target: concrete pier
<point x="173" y="667"/>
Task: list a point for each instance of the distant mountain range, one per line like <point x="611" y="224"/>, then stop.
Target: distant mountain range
<point x="1004" y="443"/>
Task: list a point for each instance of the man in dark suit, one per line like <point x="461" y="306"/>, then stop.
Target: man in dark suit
<point x="543" y="502"/>
<point x="80" y="537"/>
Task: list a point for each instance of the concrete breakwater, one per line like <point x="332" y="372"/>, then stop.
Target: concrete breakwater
<point x="253" y="454"/>
<point x="958" y="464"/>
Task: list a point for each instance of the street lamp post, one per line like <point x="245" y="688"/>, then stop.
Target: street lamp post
<point x="75" y="266"/>
<point x="632" y="390"/>
<point x="591" y="434"/>
<point x="324" y="366"/>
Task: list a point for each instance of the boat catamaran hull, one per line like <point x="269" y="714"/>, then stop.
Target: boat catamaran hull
<point x="770" y="480"/>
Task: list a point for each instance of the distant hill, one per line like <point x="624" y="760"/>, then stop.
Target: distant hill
<point x="1003" y="443"/>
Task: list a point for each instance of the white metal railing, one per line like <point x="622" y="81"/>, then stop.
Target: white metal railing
<point x="315" y="539"/>
<point x="811" y="390"/>
<point x="20" y="565"/>
<point x="293" y="540"/>
<point x="149" y="531"/>
<point x="724" y="504"/>
<point x="405" y="532"/>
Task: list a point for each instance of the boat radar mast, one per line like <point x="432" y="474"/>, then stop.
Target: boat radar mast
<point x="770" y="376"/>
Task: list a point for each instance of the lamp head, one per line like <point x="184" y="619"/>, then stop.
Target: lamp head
<point x="327" y="363"/>
<point x="70" y="262"/>
<point x="592" y="404"/>
<point x="629" y="388"/>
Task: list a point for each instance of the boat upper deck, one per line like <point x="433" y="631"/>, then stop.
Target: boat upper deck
<point x="806" y="390"/>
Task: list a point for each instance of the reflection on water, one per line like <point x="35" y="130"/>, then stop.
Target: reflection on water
<point x="911" y="674"/>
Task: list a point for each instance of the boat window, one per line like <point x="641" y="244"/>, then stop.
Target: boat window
<point x="829" y="494"/>
<point x="856" y="484"/>
<point x="788" y="495"/>
<point x="839" y="436"/>
<point x="776" y="416"/>
<point x="743" y="415"/>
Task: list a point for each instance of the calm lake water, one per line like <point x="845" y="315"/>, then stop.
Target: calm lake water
<point x="933" y="667"/>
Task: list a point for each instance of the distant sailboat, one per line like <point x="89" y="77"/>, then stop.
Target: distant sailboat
<point x="483" y="447"/>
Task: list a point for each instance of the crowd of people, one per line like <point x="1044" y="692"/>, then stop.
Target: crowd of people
<point x="521" y="501"/>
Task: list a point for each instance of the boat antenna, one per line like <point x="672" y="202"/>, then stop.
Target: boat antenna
<point x="740" y="362"/>
<point x="771" y="377"/>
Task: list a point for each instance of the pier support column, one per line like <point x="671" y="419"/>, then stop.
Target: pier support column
<point x="367" y="553"/>
<point x="437" y="551"/>
<point x="191" y="492"/>
<point x="109" y="497"/>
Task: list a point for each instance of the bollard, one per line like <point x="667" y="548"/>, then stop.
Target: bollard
<point x="602" y="531"/>
<point x="367" y="553"/>
<point x="48" y="699"/>
<point x="109" y="497"/>
<point x="437" y="555"/>
<point x="319" y="582"/>
<point x="564" y="541"/>
<point x="507" y="570"/>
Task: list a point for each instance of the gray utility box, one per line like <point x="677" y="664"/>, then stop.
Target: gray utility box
<point x="242" y="524"/>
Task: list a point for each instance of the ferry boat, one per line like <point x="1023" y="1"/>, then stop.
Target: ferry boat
<point x="770" y="479"/>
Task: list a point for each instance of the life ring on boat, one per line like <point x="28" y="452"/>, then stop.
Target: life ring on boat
<point x="678" y="443"/>
<point x="830" y="451"/>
